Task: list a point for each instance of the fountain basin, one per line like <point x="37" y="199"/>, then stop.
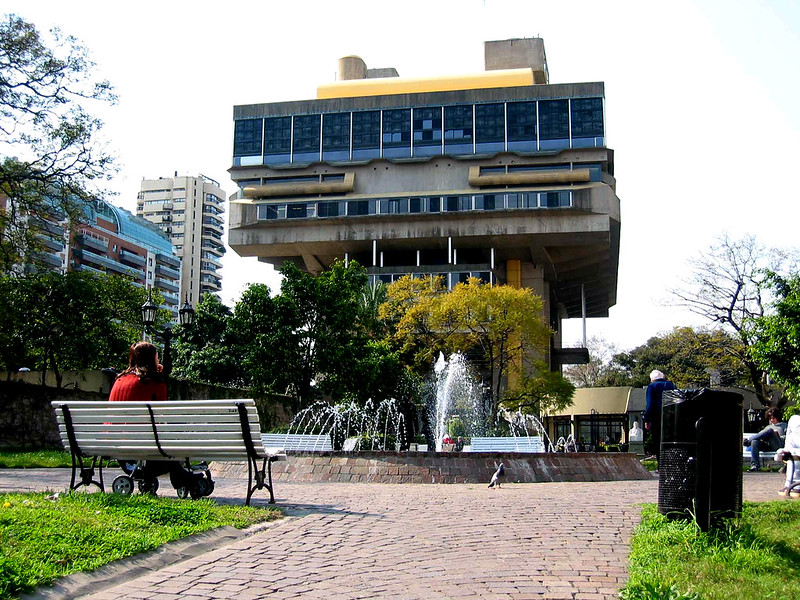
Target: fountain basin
<point x="447" y="467"/>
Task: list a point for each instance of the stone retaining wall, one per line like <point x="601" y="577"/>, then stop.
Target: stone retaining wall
<point x="447" y="467"/>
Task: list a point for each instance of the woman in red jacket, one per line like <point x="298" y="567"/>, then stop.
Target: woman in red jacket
<point x="143" y="381"/>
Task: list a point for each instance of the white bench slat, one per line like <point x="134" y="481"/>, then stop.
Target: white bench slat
<point x="507" y="444"/>
<point x="293" y="441"/>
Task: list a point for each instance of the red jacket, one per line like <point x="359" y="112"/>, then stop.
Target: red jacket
<point x="130" y="387"/>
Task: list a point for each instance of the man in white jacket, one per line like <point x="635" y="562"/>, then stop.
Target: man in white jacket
<point x="791" y="447"/>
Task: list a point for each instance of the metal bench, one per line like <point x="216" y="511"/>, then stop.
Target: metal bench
<point x="765" y="455"/>
<point x="184" y="430"/>
<point x="507" y="444"/>
<point x="297" y="441"/>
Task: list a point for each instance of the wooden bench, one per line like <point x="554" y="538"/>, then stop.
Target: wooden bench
<point x="182" y="430"/>
<point x="507" y="444"/>
<point x="297" y="442"/>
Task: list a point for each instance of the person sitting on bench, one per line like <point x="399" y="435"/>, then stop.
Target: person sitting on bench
<point x="143" y="381"/>
<point x="768" y="439"/>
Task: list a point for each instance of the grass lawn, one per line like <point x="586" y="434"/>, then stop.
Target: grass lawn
<point x="756" y="556"/>
<point x="33" y="459"/>
<point x="42" y="539"/>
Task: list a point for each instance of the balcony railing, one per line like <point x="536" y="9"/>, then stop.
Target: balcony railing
<point x="166" y="285"/>
<point x="167" y="272"/>
<point x="132" y="259"/>
<point x="170" y="261"/>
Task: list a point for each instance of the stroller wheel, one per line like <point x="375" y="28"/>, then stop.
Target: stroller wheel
<point x="183" y="492"/>
<point x="123" y="485"/>
<point x="148" y="486"/>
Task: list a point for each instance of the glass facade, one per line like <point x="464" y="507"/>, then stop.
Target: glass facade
<point x="523" y="126"/>
<point x="426" y="204"/>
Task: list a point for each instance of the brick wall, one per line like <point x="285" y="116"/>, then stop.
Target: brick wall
<point x="447" y="467"/>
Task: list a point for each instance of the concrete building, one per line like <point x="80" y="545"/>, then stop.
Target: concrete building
<point x="189" y="210"/>
<point x="499" y="175"/>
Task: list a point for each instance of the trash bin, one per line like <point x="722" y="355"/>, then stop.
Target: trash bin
<point x="700" y="466"/>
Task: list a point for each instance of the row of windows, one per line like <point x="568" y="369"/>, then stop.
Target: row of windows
<point x="424" y="204"/>
<point x="529" y="126"/>
<point x="451" y="279"/>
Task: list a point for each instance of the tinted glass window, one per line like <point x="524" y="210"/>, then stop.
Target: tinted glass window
<point x="427" y="131"/>
<point x="247" y="135"/>
<point x="521" y="125"/>
<point x="277" y="139"/>
<point x="490" y="126"/>
<point x="336" y="136"/>
<point x="306" y="137"/>
<point x="458" y="129"/>
<point x="553" y="119"/>
<point x="296" y="211"/>
<point x="587" y="117"/>
<point x="397" y="133"/>
<point x="366" y="134"/>
<point x="358" y="207"/>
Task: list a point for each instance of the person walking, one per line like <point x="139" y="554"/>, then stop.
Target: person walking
<point x="768" y="439"/>
<point x="652" y="412"/>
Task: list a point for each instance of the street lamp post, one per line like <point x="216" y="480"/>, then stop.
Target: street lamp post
<point x="185" y="316"/>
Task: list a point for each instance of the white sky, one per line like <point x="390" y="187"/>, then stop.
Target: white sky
<point x="701" y="102"/>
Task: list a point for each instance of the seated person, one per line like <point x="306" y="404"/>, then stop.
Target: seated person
<point x="459" y="447"/>
<point x="791" y="447"/>
<point x="768" y="439"/>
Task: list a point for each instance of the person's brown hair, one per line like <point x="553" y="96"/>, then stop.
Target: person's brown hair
<point x="773" y="411"/>
<point x="142" y="362"/>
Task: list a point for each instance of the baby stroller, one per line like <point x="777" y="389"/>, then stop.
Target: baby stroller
<point x="187" y="479"/>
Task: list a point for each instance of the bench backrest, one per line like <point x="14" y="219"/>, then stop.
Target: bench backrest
<point x="507" y="444"/>
<point x="296" y="441"/>
<point x="195" y="429"/>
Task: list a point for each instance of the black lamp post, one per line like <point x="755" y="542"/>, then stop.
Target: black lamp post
<point x="185" y="316"/>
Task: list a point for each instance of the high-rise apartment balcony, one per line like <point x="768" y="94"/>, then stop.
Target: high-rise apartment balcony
<point x="54" y="244"/>
<point x="167" y="272"/>
<point x="93" y="242"/>
<point x="51" y="260"/>
<point x="170" y="299"/>
<point x="130" y="258"/>
<point x="112" y="265"/>
<point x="170" y="261"/>
<point x="163" y="284"/>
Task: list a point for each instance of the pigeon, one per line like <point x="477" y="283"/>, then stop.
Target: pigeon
<point x="498" y="476"/>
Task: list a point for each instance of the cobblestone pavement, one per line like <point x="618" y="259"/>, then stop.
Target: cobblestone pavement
<point x="342" y="541"/>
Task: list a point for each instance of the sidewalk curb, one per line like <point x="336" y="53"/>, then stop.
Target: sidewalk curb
<point x="79" y="585"/>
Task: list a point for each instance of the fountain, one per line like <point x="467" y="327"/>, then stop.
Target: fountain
<point x="455" y="394"/>
<point x="351" y="427"/>
<point x="366" y="442"/>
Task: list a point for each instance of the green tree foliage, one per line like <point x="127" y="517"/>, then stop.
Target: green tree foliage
<point x="540" y="391"/>
<point x="500" y="326"/>
<point x="77" y="320"/>
<point x="690" y="358"/>
<point x="777" y="345"/>
<point x="315" y="338"/>
<point x="208" y="351"/>
<point x="50" y="158"/>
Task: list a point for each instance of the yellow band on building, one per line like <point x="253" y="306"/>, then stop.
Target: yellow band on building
<point x="386" y="86"/>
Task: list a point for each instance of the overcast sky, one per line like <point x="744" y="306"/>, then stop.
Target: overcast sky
<point x="701" y="104"/>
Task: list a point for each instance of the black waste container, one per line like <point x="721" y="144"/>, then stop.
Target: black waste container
<point x="700" y="466"/>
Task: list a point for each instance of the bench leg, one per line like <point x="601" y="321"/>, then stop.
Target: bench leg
<point x="86" y="472"/>
<point x="253" y="472"/>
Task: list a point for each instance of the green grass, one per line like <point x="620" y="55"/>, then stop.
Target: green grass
<point x="33" y="459"/>
<point x="42" y="539"/>
<point x="756" y="556"/>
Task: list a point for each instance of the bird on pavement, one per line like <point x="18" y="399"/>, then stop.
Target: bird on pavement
<point x="498" y="477"/>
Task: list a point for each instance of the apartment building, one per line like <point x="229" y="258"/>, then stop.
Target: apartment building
<point x="189" y="211"/>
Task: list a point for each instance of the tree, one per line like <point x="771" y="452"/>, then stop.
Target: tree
<point x="207" y="351"/>
<point x="74" y="320"/>
<point x="601" y="353"/>
<point x="500" y="326"/>
<point x="50" y="160"/>
<point x="541" y="391"/>
<point x="690" y="358"/>
<point x="777" y="335"/>
<point x="729" y="288"/>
